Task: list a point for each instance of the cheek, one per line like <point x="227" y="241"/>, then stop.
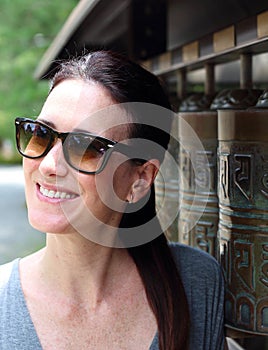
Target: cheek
<point x="87" y="189"/>
<point x="97" y="204"/>
<point x="29" y="166"/>
<point x="107" y="192"/>
<point x="123" y="180"/>
<point x="109" y="189"/>
<point x="93" y="190"/>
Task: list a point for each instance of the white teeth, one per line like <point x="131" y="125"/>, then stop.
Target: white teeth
<point x="56" y="194"/>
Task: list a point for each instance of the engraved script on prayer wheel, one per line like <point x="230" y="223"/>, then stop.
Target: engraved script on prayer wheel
<point x="198" y="224"/>
<point x="243" y="216"/>
<point x="198" y="219"/>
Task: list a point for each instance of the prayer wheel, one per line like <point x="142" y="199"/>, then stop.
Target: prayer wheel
<point x="243" y="216"/>
<point x="199" y="212"/>
<point x="198" y="219"/>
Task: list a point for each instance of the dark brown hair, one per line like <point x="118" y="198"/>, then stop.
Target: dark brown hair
<point x="129" y="82"/>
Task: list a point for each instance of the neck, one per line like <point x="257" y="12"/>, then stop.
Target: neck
<point x="82" y="269"/>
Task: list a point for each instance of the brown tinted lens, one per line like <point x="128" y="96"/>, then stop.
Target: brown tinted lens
<point x="33" y="139"/>
<point x="84" y="152"/>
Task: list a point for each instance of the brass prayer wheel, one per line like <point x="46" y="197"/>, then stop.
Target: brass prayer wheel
<point x="198" y="223"/>
<point x="198" y="219"/>
<point x="243" y="216"/>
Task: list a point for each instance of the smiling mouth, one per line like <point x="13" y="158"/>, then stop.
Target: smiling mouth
<point x="56" y="194"/>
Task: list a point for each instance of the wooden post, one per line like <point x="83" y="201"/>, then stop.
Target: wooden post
<point x="246" y="71"/>
<point x="210" y="79"/>
<point x="181" y="83"/>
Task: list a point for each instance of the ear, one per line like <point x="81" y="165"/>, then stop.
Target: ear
<point x="146" y="176"/>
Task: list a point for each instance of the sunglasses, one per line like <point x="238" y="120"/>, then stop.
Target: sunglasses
<point x="84" y="152"/>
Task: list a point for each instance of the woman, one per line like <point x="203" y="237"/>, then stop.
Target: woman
<point x="107" y="277"/>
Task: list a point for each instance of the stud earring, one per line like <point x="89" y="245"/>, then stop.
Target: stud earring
<point x="131" y="198"/>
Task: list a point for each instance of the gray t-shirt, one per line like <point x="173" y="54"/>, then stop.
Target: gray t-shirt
<point x="203" y="283"/>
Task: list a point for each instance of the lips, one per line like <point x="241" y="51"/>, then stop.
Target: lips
<point x="56" y="194"/>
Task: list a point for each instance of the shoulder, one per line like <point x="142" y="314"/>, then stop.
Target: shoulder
<point x="203" y="282"/>
<point x="187" y="255"/>
<point x="195" y="265"/>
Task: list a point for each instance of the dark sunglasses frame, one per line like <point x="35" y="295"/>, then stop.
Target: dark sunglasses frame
<point x="110" y="145"/>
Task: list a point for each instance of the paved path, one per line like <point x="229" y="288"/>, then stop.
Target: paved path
<point x="17" y="237"/>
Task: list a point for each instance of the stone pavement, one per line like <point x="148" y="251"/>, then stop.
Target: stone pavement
<point x="17" y="237"/>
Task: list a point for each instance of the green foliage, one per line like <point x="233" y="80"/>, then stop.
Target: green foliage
<point x="27" y="28"/>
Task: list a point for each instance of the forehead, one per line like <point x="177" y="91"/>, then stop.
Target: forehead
<point x="88" y="106"/>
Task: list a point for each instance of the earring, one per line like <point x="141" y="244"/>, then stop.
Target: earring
<point x="131" y="198"/>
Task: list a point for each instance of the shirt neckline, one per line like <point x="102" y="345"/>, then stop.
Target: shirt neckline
<point x="16" y="275"/>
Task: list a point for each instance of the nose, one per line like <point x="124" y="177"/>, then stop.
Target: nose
<point x="53" y="163"/>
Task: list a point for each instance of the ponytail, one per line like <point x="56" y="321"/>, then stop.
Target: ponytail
<point x="163" y="286"/>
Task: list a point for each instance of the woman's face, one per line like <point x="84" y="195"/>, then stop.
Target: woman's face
<point x="82" y="200"/>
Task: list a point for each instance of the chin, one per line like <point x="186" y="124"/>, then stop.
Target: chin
<point x="51" y="224"/>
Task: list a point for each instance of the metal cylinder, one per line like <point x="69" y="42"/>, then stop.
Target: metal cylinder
<point x="243" y="216"/>
<point x="167" y="188"/>
<point x="198" y="223"/>
<point x="198" y="219"/>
